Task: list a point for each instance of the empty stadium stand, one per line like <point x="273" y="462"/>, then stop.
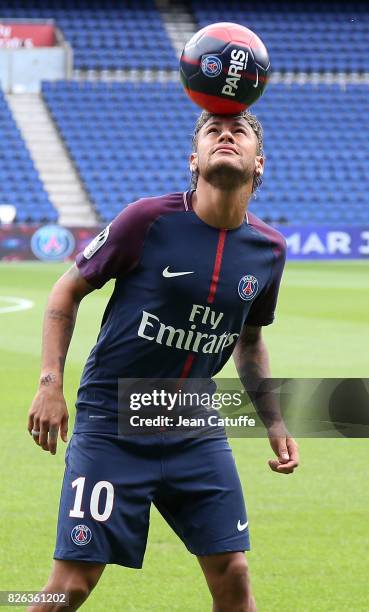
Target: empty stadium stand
<point x="130" y="34"/>
<point x="131" y="139"/>
<point x="20" y="184"/>
<point x="317" y="154"/>
<point x="301" y="36"/>
<point x="124" y="148"/>
<point x="105" y="35"/>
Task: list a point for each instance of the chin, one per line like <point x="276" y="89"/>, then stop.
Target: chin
<point x="225" y="173"/>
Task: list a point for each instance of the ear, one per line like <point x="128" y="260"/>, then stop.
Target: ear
<point x="259" y="165"/>
<point x="193" y="162"/>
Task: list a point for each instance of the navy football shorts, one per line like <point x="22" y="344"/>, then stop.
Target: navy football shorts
<point x="110" y="482"/>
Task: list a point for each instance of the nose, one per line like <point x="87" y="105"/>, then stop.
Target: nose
<point x="226" y="135"/>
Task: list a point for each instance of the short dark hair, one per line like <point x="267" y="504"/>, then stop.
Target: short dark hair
<point x="253" y="122"/>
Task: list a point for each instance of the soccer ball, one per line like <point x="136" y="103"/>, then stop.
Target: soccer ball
<point x="224" y="68"/>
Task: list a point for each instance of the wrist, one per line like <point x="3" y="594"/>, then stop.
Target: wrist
<point x="278" y="429"/>
<point x="49" y="380"/>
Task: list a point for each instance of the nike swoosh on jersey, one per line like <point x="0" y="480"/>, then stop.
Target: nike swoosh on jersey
<point x="168" y="274"/>
<point x="242" y="526"/>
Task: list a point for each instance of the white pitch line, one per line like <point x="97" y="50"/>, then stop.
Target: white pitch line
<point x="17" y="304"/>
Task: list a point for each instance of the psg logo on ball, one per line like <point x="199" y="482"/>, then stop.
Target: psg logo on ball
<point x="236" y="56"/>
<point x="248" y="287"/>
<point x="211" y="66"/>
<point x="81" y="535"/>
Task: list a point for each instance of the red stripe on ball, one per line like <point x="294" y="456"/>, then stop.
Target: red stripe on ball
<point x="227" y="32"/>
<point x="217" y="30"/>
<point x="187" y="60"/>
<point x="215" y="104"/>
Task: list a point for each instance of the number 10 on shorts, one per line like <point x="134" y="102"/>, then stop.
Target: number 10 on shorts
<point x="79" y="485"/>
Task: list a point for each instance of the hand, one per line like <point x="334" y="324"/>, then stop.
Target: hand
<point x="286" y="450"/>
<point x="48" y="414"/>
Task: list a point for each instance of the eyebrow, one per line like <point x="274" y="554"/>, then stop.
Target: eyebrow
<point x="236" y="122"/>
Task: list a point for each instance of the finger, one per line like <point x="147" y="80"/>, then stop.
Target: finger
<point x="279" y="446"/>
<point x="36" y="428"/>
<point x="284" y="468"/>
<point x="30" y="423"/>
<point x="283" y="452"/>
<point x="283" y="455"/>
<point x="64" y="428"/>
<point x="53" y="438"/>
<point x="273" y="463"/>
<point x="293" y="449"/>
<point x="290" y="464"/>
<point x="44" y="430"/>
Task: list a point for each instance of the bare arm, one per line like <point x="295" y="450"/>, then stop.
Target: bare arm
<point x="59" y="320"/>
<point x="48" y="412"/>
<point x="252" y="363"/>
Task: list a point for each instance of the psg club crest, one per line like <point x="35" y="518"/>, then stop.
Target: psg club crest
<point x="52" y="243"/>
<point x="248" y="287"/>
<point x="211" y="65"/>
<point x="81" y="535"/>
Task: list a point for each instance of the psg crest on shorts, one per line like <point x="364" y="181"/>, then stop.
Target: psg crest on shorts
<point x="248" y="287"/>
<point x="81" y="535"/>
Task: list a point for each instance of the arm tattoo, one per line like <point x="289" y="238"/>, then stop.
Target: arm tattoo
<point x="59" y="315"/>
<point x="48" y="379"/>
<point x="62" y="363"/>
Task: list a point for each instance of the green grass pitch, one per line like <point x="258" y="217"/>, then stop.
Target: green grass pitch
<point x="309" y="530"/>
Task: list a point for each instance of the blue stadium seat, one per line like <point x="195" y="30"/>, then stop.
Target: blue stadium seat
<point x="300" y="36"/>
<point x="20" y="184"/>
<point x="105" y="34"/>
<point x="316" y="159"/>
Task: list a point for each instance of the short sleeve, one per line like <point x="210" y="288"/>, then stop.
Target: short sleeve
<point x="262" y="310"/>
<point x="116" y="249"/>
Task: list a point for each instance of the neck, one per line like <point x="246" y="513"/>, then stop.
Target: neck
<point x="221" y="208"/>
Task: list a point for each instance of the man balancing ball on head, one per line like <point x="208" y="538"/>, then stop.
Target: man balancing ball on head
<point x="172" y="257"/>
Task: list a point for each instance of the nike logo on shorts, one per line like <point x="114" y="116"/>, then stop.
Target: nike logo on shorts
<point x="242" y="526"/>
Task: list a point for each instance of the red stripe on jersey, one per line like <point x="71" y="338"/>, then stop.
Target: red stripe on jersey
<point x="187" y="365"/>
<point x="217" y="264"/>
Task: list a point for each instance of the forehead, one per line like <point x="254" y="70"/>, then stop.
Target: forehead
<point x="227" y="120"/>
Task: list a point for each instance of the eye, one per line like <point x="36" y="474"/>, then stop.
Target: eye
<point x="213" y="129"/>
